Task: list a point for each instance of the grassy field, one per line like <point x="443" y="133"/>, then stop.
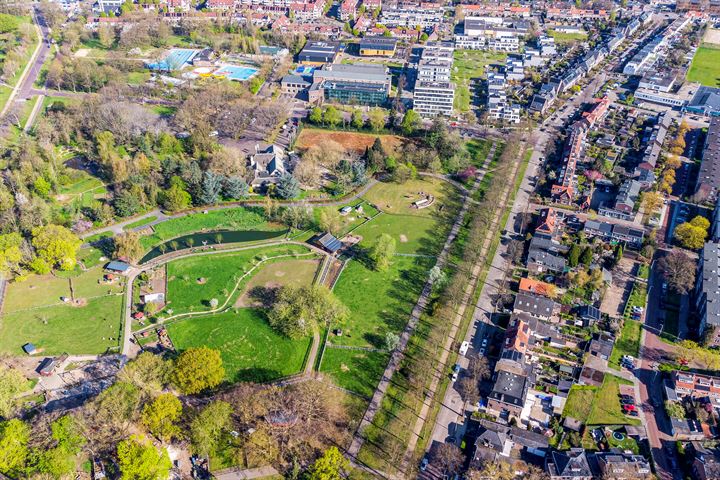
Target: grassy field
<point x="379" y="301"/>
<point x="355" y="370"/>
<point x="228" y="219"/>
<point x="627" y="344"/>
<point x="219" y="274"/>
<point x="140" y="223"/>
<point x="277" y="274"/>
<point x="579" y="402"/>
<point x="90" y="329"/>
<point x="395" y="198"/>
<point x="356" y="142"/>
<point x="82" y="188"/>
<point x="705" y="67"/>
<point x="352" y="219"/>
<point x="250" y="349"/>
<point x="563" y="38"/>
<point x="606" y="408"/>
<point x="469" y="65"/>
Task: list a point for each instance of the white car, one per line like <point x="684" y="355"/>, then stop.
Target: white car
<point x="464" y="346"/>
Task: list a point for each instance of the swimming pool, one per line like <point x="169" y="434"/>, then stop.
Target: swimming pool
<point x="174" y="60"/>
<point x="234" y="72"/>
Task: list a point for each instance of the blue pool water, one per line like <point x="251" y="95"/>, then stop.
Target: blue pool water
<point x="233" y="72"/>
<point x="175" y="60"/>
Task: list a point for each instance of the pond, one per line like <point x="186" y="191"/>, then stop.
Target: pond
<point x="210" y="238"/>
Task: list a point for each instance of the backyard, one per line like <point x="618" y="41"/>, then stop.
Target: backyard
<point x="606" y="408"/>
<point x="705" y="67"/>
<point x="627" y="344"/>
<point x="579" y="402"/>
<point x="250" y="349"/>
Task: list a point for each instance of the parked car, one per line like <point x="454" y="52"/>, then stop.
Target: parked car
<point x="629" y="408"/>
<point x="424" y="464"/>
<point x="464" y="348"/>
<point x="484" y="342"/>
<point x="455" y="372"/>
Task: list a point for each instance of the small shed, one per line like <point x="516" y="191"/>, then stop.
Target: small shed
<point x="154" y="297"/>
<point x="138" y="315"/>
<point x="47" y="367"/>
<point x="29" y="348"/>
<point x="117" y="266"/>
<point x="330" y="243"/>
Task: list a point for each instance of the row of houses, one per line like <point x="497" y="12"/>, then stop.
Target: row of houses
<point x="492" y="33"/>
<point x="499" y="108"/>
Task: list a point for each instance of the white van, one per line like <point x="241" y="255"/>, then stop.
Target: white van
<point x="464" y="348"/>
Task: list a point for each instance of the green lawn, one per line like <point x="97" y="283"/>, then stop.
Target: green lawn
<point x="638" y="298"/>
<point x="220" y="273"/>
<point x="250" y="349"/>
<point x="379" y="301"/>
<point x="294" y="272"/>
<point x="138" y="78"/>
<point x="140" y="223"/>
<point x="470" y="65"/>
<point x="705" y="67"/>
<point x="63" y="328"/>
<point x="606" y="408"/>
<point x="355" y="370"/>
<point x="627" y="344"/>
<point x="562" y="38"/>
<point x="227" y="219"/>
<point x="579" y="402"/>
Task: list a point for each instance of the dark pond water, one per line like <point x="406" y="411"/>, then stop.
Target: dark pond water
<point x="209" y="238"/>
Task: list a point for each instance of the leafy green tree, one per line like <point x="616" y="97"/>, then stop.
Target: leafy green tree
<point x="148" y="372"/>
<point x="207" y="428"/>
<point x="138" y="459"/>
<point x="10" y="253"/>
<point x="127" y="245"/>
<point x="316" y="115"/>
<point x="587" y="256"/>
<point x="118" y="405"/>
<point x="14" y="437"/>
<point x="68" y="434"/>
<point x="574" y="255"/>
<point x="331" y="466"/>
<point x="126" y="203"/>
<point x="690" y="236"/>
<point x="299" y="310"/>
<point x="287" y="187"/>
<point x="12" y="383"/>
<point x="674" y="409"/>
<point x="175" y="198"/>
<point x="332" y="116"/>
<point x="42" y="187"/>
<point x="212" y="185"/>
<point x="160" y="416"/>
<point x="382" y="252"/>
<point x="357" y="118"/>
<point x="410" y="122"/>
<point x="376" y="155"/>
<point x="198" y="369"/>
<point x="56" y="245"/>
<point x="618" y="254"/>
<point x="377" y="119"/>
<point x="700" y="222"/>
<point x="54" y="462"/>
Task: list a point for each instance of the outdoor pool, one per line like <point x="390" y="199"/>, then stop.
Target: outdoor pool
<point x="209" y="239"/>
<point x="174" y="60"/>
<point x="234" y="72"/>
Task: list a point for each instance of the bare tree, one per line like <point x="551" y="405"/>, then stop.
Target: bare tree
<point x="679" y="271"/>
<point x="449" y="458"/>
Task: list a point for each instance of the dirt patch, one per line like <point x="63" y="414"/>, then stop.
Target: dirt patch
<point x="403" y="238"/>
<point x="79" y="302"/>
<point x="712" y="35"/>
<point x="201" y="281"/>
<point x="356" y="142"/>
<point x="616" y="295"/>
<point x="344" y="367"/>
<point x="82" y="52"/>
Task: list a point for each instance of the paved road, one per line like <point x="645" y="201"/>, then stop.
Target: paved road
<point x="450" y="420"/>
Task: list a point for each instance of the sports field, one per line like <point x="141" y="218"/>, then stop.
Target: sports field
<point x="705" y="67"/>
<point x="250" y="349"/>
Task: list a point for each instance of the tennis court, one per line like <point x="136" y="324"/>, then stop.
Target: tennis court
<point x="175" y="60"/>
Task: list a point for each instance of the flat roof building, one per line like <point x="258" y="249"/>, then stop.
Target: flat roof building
<point x="319" y="53"/>
<point x="708" y="180"/>
<point x="377" y="47"/>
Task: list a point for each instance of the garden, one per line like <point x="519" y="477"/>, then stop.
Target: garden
<point x="593" y="405"/>
<point x="627" y="344"/>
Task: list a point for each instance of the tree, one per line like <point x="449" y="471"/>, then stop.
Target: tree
<point x="651" y="201"/>
<point x="212" y="185"/>
<point x="690" y="236"/>
<point x="478" y="368"/>
<point x="700" y="222"/>
<point x="574" y="255"/>
<point x="679" y="271"/>
<point x="316" y="115"/>
<point x="376" y="155"/>
<point x="207" y="428"/>
<point x="14" y="437"/>
<point x="410" y="122"/>
<point x="10" y="253"/>
<point x="377" y="119"/>
<point x="127" y="245"/>
<point x="382" y="252"/>
<point x="299" y="310"/>
<point x="329" y="221"/>
<point x="138" y="459"/>
<point x="56" y="245"/>
<point x="126" y="203"/>
<point x="391" y="341"/>
<point x="198" y="369"/>
<point x="674" y="409"/>
<point x="587" y="256"/>
<point x="331" y="466"/>
<point x="176" y="197"/>
<point x="449" y="458"/>
<point x="235" y="188"/>
<point x="118" y="405"/>
<point x="12" y="383"/>
<point x="498" y="470"/>
<point x="287" y="187"/>
<point x="148" y="372"/>
<point x="160" y="416"/>
<point x="618" y="254"/>
<point x="468" y="389"/>
<point x="332" y="116"/>
<point x="357" y="120"/>
<point x="68" y="433"/>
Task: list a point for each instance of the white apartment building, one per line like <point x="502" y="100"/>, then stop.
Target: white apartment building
<point x="434" y="93"/>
